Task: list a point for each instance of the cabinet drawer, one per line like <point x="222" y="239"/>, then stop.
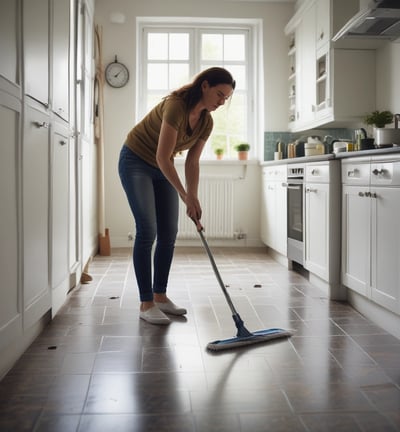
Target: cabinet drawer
<point x="316" y="173"/>
<point x="278" y="173"/>
<point x="356" y="173"/>
<point x="385" y="174"/>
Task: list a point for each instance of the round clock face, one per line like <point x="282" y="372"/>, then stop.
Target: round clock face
<point x="117" y="74"/>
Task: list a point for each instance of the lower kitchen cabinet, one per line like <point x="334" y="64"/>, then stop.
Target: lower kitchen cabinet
<point x="274" y="208"/>
<point x="371" y="231"/>
<point x="322" y="224"/>
<point x="59" y="214"/>
<point x="10" y="305"/>
<point x="35" y="200"/>
<point x="356" y="239"/>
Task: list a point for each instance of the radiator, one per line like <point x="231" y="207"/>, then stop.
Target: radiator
<point x="216" y="199"/>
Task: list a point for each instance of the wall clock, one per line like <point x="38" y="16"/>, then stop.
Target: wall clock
<point x="116" y="74"/>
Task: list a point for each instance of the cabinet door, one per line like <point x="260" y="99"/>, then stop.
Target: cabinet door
<point x="269" y="213"/>
<point x="35" y="216"/>
<point x="59" y="217"/>
<point x="281" y="218"/>
<point x="317" y="229"/>
<point x="323" y="29"/>
<point x="10" y="313"/>
<point x="356" y="249"/>
<point x="305" y="38"/>
<point x="60" y="58"/>
<point x="385" y="247"/>
<point x="36" y="49"/>
<point x="8" y="40"/>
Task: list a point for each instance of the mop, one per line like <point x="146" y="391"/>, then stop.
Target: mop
<point x="243" y="336"/>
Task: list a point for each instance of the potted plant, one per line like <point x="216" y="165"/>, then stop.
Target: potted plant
<point x="379" y="119"/>
<point x="219" y="152"/>
<point x="243" y="150"/>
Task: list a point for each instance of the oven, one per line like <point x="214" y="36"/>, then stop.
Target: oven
<point x="295" y="179"/>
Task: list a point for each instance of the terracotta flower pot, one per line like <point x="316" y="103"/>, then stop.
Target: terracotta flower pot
<point x="243" y="155"/>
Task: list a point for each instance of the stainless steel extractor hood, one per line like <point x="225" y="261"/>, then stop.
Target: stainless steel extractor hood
<point x="377" y="19"/>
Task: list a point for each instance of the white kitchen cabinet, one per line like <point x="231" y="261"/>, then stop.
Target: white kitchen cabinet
<point x="370" y="229"/>
<point x="59" y="214"/>
<point x="331" y="85"/>
<point x="274" y="208"/>
<point x="10" y="237"/>
<point x="9" y="48"/>
<point x="302" y="79"/>
<point x="385" y="276"/>
<point x="60" y="58"/>
<point x="322" y="224"/>
<point x="36" y="49"/>
<point x="35" y="201"/>
<point x="356" y="238"/>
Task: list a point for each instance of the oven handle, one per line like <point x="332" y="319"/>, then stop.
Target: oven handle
<point x="292" y="186"/>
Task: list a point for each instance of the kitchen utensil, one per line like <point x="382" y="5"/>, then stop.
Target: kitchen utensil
<point x="339" y="146"/>
<point x="291" y="150"/>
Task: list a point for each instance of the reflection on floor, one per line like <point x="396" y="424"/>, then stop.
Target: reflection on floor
<point x="98" y="368"/>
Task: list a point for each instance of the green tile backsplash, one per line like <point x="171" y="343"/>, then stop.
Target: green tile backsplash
<point x="271" y="138"/>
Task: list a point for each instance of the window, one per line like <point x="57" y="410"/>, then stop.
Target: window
<point x="170" y="55"/>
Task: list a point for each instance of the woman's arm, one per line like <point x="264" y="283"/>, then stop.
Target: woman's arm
<point x="165" y="150"/>
<point x="192" y="175"/>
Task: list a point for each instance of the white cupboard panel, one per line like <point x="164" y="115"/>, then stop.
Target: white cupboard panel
<point x="36" y="49"/>
<point x="35" y="193"/>
<point x="10" y="314"/>
<point x="9" y="40"/>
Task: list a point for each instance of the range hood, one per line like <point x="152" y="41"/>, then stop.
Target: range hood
<point x="377" y="19"/>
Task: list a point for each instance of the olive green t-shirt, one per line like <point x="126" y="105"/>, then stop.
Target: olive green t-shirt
<point x="143" y="138"/>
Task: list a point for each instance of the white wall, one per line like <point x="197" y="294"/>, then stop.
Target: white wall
<point x="120" y="39"/>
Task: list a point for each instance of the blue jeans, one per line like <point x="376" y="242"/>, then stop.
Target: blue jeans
<point x="154" y="203"/>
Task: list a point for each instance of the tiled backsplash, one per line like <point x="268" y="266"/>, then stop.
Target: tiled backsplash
<point x="272" y="138"/>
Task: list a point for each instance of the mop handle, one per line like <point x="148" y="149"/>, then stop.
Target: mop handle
<point x="214" y="266"/>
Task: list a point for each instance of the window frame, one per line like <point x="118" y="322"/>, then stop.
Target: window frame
<point x="255" y="87"/>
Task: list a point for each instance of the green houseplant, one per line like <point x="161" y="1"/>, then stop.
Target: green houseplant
<point x="219" y="152"/>
<point x="243" y="150"/>
<point x="379" y="119"/>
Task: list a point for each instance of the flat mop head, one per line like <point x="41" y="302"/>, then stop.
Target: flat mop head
<point x="250" y="339"/>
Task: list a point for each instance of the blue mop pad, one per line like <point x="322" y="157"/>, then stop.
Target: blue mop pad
<point x="243" y="337"/>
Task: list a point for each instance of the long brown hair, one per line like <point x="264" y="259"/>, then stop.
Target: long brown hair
<point x="192" y="92"/>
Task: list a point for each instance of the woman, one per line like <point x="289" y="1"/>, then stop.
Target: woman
<point x="181" y="121"/>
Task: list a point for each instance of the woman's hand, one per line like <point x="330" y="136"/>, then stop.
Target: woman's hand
<point x="193" y="208"/>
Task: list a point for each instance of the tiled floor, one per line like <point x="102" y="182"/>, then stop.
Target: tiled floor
<point x="98" y="368"/>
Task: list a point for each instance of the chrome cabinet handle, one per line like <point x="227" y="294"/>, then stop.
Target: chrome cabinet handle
<point x="40" y="125"/>
<point x="309" y="190"/>
<point x="378" y="171"/>
<point x="368" y="194"/>
<point x="352" y="173"/>
<point x="63" y="142"/>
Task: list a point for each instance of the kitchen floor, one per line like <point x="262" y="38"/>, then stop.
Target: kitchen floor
<point x="98" y="368"/>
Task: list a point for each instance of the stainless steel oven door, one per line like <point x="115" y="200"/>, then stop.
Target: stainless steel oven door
<point x="295" y="220"/>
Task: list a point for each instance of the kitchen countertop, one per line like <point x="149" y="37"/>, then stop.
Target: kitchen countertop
<point x="331" y="156"/>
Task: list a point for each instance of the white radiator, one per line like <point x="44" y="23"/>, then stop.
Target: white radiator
<point x="216" y="199"/>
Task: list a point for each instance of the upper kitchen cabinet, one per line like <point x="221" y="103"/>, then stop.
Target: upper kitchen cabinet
<point x="36" y="49"/>
<point x="9" y="47"/>
<point x="301" y="31"/>
<point x="330" y="86"/>
<point x="60" y="58"/>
